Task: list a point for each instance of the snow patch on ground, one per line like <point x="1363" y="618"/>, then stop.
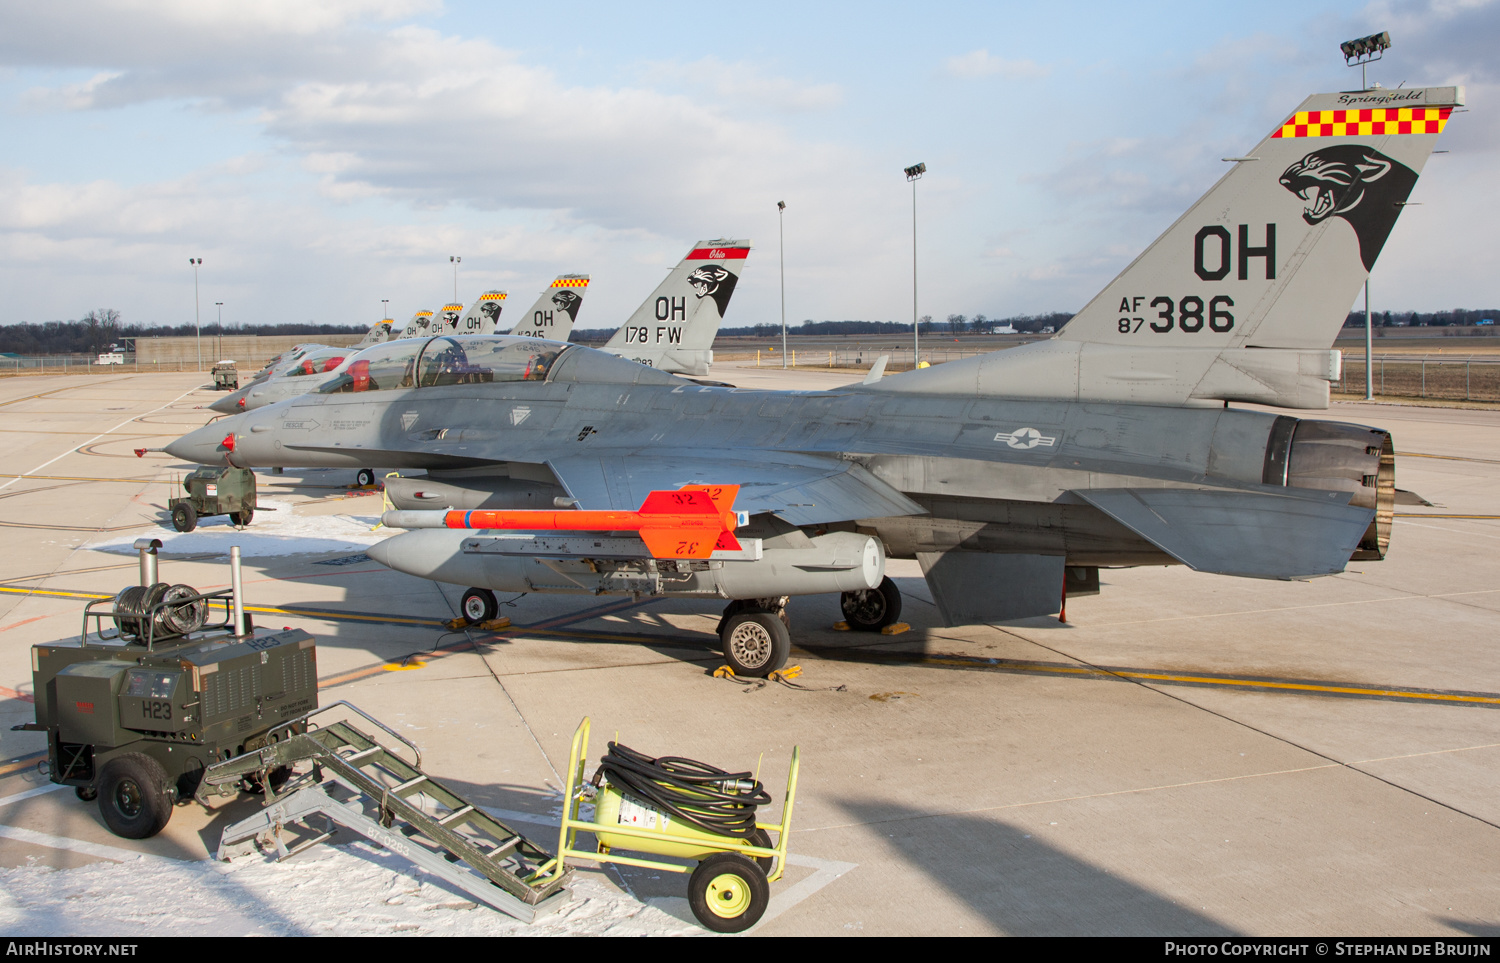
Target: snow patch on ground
<point x="352" y="890"/>
<point x="275" y="530"/>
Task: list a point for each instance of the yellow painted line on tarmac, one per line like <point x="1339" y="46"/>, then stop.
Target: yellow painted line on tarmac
<point x="1210" y="681"/>
<point x="52" y="593"/>
<point x="25" y="762"/>
<point x="1422" y="454"/>
<point x="83" y="478"/>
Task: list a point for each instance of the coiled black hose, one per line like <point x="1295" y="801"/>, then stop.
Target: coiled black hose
<point x="701" y="795"/>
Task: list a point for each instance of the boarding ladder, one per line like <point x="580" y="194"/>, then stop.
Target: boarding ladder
<point x="365" y="786"/>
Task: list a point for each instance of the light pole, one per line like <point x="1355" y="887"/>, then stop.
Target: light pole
<point x="914" y="173"/>
<point x="195" y="261"/>
<point x="455" y="261"/>
<point x="781" y="232"/>
<point x="385" y="309"/>
<point x="1361" y="52"/>
<point x="220" y="348"/>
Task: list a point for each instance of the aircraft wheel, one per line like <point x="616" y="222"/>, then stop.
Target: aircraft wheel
<point x="756" y="642"/>
<point x="728" y="893"/>
<point x="184" y="517"/>
<point x="365" y="477"/>
<point x="870" y="610"/>
<point x="134" y="796"/>
<point x="479" y="605"/>
<point x="242" y="518"/>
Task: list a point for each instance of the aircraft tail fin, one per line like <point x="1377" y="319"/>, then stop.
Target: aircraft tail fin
<point x="379" y="331"/>
<point x="556" y="309"/>
<point x="446" y="321"/>
<point x="1242" y="297"/>
<point x="419" y="325"/>
<point x="674" y="329"/>
<point x="483" y="315"/>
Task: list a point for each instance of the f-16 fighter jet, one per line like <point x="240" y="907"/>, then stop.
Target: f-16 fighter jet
<point x="1008" y="476"/>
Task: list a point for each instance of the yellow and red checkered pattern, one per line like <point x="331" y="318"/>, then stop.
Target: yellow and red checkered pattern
<point x="494" y="296"/>
<point x="571" y="283"/>
<point x="1370" y="121"/>
<point x="424" y="314"/>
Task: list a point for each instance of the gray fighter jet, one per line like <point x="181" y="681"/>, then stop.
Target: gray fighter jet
<point x="1013" y="477"/>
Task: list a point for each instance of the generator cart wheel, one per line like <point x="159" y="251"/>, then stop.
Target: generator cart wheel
<point x="762" y="839"/>
<point x="479" y="605"/>
<point x="242" y="518"/>
<point x="184" y="517"/>
<point x="135" y="798"/>
<point x="86" y="793"/>
<point x="755" y="642"/>
<point x="365" y="477"/>
<point x="728" y="893"/>
<point x="870" y="610"/>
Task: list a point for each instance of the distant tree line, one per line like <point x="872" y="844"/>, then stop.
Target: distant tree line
<point x="99" y="329"/>
<point x="1457" y="317"/>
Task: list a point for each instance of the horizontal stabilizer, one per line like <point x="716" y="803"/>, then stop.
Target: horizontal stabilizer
<point x="1252" y="534"/>
<point x="972" y="588"/>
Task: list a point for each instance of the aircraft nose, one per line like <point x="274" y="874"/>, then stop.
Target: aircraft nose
<point x="204" y="446"/>
<point x="232" y="403"/>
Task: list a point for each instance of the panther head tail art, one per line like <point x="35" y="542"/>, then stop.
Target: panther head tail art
<point x="1359" y="184"/>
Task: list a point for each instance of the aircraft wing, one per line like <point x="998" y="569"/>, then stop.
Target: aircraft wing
<point x="802" y="489"/>
<point x="1290" y="534"/>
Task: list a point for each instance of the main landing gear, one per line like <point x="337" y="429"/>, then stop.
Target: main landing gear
<point x="871" y="610"/>
<point x="755" y="634"/>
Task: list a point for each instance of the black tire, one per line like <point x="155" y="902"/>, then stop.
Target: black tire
<point x="755" y="642"/>
<point x="242" y="518"/>
<point x="871" y="610"/>
<point x="762" y="839"/>
<point x="365" y="477"/>
<point x="478" y="606"/>
<point x="135" y="797"/>
<point x="750" y="605"/>
<point x="184" y="517"/>
<point x="728" y="893"/>
<point x="86" y="793"/>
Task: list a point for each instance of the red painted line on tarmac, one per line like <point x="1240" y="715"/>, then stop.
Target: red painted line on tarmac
<point x="34" y="618"/>
<point x="13" y="694"/>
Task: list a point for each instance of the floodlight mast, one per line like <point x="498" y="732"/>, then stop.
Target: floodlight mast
<point x="1362" y="51"/>
<point x="781" y="229"/>
<point x="914" y="173"/>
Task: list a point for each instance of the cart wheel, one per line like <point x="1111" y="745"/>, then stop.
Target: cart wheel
<point x="728" y="893"/>
<point x="242" y="518"/>
<point x="134" y="797"/>
<point x="184" y="517"/>
<point x="365" y="477"/>
<point x="86" y="793"/>
<point x="762" y="839"/>
<point x="755" y="642"/>
<point x="870" y="610"/>
<point x="479" y="605"/>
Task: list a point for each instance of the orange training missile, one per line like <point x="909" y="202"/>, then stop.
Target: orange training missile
<point x="691" y="522"/>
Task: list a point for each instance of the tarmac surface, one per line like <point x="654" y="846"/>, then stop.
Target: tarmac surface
<point x="1188" y="755"/>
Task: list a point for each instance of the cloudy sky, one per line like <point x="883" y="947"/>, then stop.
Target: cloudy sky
<point x="324" y="155"/>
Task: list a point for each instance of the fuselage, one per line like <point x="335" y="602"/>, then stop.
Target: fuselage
<point x="993" y="474"/>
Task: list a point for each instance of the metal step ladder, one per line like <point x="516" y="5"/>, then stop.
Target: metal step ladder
<point x="364" y="786"/>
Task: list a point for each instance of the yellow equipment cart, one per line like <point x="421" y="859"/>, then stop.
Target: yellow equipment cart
<point x="730" y="885"/>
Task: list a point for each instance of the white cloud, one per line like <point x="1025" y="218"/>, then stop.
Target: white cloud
<point x="977" y="64"/>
